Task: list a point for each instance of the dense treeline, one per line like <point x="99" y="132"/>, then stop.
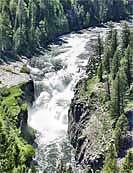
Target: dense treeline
<point x="110" y="75"/>
<point x="27" y="25"/>
<point x="15" y="136"/>
<point x="116" y="71"/>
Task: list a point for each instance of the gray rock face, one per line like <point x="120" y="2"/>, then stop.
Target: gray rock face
<point x="87" y="131"/>
<point x="28" y="89"/>
<point x="10" y="73"/>
<point x="28" y="97"/>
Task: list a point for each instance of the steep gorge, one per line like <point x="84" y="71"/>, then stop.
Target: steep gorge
<point x="26" y="26"/>
<point x="89" y="126"/>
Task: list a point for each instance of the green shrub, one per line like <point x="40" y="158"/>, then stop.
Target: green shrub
<point x="24" y="107"/>
<point x="120" y="132"/>
<point x="110" y="165"/>
<point x="127" y="166"/>
<point x="25" y="69"/>
<point x="4" y="92"/>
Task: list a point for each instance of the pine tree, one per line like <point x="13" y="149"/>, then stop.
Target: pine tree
<point x="131" y="39"/>
<point x="115" y="98"/>
<point x="114" y="42"/>
<point x="116" y="63"/>
<point x="110" y="33"/>
<point x="20" y="40"/>
<point x="5" y="32"/>
<point x="128" y="64"/>
<point x="13" y="8"/>
<point x="100" y="72"/>
<point x="107" y="59"/>
<point x="33" y="39"/>
<point x="125" y="36"/>
<point x="99" y="47"/>
<point x="118" y="92"/>
<point x="21" y="15"/>
<point x="127" y="166"/>
<point x="120" y="132"/>
<point x="108" y="86"/>
<point x="123" y="87"/>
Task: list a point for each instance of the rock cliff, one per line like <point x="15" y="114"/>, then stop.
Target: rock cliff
<point x="89" y="127"/>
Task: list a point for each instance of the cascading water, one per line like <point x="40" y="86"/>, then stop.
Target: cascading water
<point x="55" y="74"/>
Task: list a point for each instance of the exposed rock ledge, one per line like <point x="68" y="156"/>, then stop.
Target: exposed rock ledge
<point x="10" y="74"/>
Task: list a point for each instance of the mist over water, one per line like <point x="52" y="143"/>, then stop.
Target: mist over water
<point x="55" y="74"/>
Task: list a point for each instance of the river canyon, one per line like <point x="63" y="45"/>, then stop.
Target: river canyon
<point x="55" y="73"/>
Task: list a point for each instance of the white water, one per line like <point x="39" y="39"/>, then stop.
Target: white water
<point x="54" y="93"/>
<point x="52" y="117"/>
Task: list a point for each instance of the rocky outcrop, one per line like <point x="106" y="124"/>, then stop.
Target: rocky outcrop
<point x="28" y="89"/>
<point x="28" y="97"/>
<point x="11" y="73"/>
<point x="89" y="127"/>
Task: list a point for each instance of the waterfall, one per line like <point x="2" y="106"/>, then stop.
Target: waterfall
<point x="56" y="73"/>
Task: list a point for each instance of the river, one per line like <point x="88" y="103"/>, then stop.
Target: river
<point x="55" y="75"/>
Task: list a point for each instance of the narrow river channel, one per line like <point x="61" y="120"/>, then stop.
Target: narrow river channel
<point x="55" y="75"/>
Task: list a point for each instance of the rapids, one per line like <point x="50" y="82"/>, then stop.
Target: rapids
<point x="55" y="75"/>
